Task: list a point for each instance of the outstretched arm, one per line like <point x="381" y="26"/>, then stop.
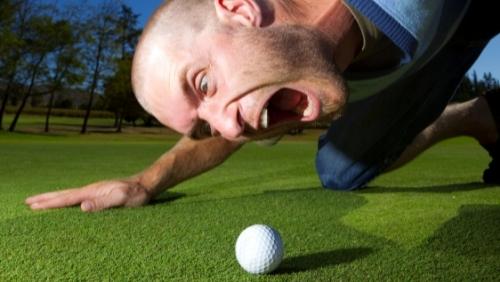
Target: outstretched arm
<point x="188" y="158"/>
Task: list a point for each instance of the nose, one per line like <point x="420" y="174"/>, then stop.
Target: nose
<point x="225" y="119"/>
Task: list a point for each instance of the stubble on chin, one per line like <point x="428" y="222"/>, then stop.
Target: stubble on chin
<point x="290" y="54"/>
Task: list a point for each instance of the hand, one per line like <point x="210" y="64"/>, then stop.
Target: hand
<point x="94" y="197"/>
<point x="187" y="159"/>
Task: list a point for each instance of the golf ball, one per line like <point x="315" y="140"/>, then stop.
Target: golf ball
<point x="259" y="249"/>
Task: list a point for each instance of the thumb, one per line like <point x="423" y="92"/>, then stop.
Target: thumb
<point x="88" y="205"/>
<point x="117" y="197"/>
<point x="97" y="204"/>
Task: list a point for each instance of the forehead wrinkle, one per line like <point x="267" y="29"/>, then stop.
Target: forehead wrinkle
<point x="181" y="80"/>
<point x="174" y="97"/>
<point x="176" y="74"/>
<point x="162" y="87"/>
<point x="177" y="86"/>
<point x="187" y="94"/>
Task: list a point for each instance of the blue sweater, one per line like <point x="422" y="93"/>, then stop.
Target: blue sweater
<point x="420" y="28"/>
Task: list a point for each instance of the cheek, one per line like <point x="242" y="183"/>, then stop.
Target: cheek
<point x="248" y="102"/>
<point x="240" y="65"/>
<point x="174" y="113"/>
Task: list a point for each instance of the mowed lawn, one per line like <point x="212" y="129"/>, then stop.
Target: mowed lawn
<point x="432" y="220"/>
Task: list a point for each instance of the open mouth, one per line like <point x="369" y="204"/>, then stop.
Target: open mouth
<point x="287" y="105"/>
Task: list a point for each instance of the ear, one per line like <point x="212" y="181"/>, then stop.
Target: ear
<point x="240" y="12"/>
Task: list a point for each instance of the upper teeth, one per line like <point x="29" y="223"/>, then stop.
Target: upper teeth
<point x="309" y="109"/>
<point x="300" y="110"/>
<point x="264" y="119"/>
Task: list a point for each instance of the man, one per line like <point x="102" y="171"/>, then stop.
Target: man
<point x="224" y="72"/>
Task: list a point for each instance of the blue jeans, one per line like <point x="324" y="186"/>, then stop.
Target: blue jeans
<point x="374" y="132"/>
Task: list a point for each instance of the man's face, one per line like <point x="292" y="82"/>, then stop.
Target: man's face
<point x="246" y="84"/>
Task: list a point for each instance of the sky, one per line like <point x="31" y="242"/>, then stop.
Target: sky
<point x="489" y="61"/>
<point x="144" y="8"/>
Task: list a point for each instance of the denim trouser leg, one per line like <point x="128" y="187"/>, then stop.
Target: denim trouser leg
<point x="374" y="132"/>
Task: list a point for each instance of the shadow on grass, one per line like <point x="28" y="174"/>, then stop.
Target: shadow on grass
<point x="167" y="197"/>
<point x="293" y="190"/>
<point x="38" y="133"/>
<point x="322" y="259"/>
<point x="473" y="233"/>
<point x="449" y="188"/>
<point x="58" y="130"/>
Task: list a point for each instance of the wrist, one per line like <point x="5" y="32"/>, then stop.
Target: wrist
<point x="147" y="183"/>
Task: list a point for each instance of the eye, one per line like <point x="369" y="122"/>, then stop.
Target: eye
<point x="204" y="84"/>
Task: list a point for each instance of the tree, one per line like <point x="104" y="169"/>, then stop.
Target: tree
<point x="119" y="95"/>
<point x="465" y="90"/>
<point x="490" y="82"/>
<point x="101" y="49"/>
<point x="477" y="85"/>
<point x="16" y="15"/>
<point x="127" y="30"/>
<point x="66" y="66"/>
<point x="7" y="12"/>
<point x="43" y="38"/>
<point x="472" y="87"/>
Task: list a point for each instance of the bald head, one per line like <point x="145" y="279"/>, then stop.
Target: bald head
<point x="182" y="15"/>
<point x="169" y="22"/>
<point x="209" y="67"/>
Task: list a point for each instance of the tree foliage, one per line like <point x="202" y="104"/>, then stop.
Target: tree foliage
<point x="51" y="54"/>
<point x="118" y="95"/>
<point x="14" y="46"/>
<point x="473" y="86"/>
<point x="48" y="50"/>
<point x="100" y="47"/>
<point x="44" y="36"/>
<point x="66" y="68"/>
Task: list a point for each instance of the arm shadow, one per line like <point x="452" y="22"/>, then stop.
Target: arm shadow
<point x="448" y="188"/>
<point x="167" y="197"/>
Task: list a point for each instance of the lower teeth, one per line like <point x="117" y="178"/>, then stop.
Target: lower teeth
<point x="264" y="119"/>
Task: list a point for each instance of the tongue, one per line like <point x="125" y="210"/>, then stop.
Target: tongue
<point x="286" y="99"/>
<point x="284" y="104"/>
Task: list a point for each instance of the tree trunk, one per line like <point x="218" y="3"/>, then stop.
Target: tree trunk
<point x="26" y="95"/>
<point x="19" y="111"/>
<point x="92" y="89"/>
<point x="49" y="110"/>
<point x="120" y="123"/>
<point x="89" y="108"/>
<point x="4" y="105"/>
<point x="56" y="84"/>
<point x="6" y="98"/>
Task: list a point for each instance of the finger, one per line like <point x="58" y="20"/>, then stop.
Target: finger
<point x="104" y="202"/>
<point x="67" y="199"/>
<point x="46" y="196"/>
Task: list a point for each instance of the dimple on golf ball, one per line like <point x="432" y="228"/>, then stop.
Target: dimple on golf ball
<point x="259" y="249"/>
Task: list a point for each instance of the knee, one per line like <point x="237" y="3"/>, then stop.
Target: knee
<point x="335" y="177"/>
<point x="337" y="171"/>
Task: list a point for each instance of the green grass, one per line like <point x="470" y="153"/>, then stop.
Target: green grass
<point x="31" y="128"/>
<point x="34" y="120"/>
<point x="432" y="220"/>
